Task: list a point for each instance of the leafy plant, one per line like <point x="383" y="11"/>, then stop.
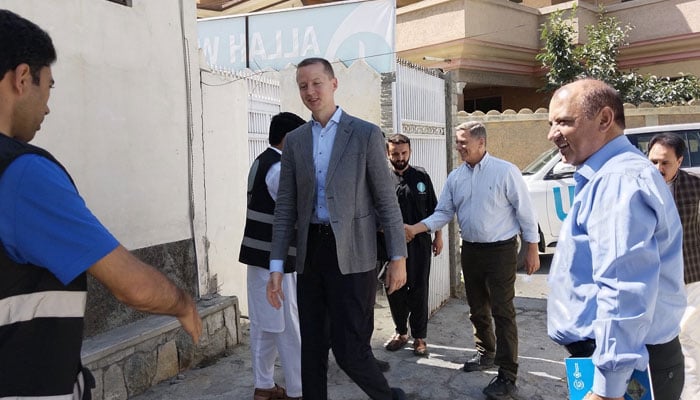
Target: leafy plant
<point x="565" y="61"/>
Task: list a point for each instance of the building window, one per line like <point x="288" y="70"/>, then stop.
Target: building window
<point x="122" y="2"/>
<point x="484" y="104"/>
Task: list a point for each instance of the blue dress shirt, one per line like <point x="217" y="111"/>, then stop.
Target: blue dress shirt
<point x="323" y="139"/>
<point x="491" y="202"/>
<point x="617" y="272"/>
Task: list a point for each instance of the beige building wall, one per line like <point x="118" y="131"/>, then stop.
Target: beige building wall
<point x="513" y="98"/>
<point x="665" y="37"/>
<point x="521" y="137"/>
<point x="490" y="45"/>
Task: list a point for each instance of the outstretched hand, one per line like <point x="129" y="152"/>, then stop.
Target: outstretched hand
<point x="191" y="321"/>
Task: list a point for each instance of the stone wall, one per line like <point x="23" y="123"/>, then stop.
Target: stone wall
<point x="176" y="260"/>
<point x="128" y="360"/>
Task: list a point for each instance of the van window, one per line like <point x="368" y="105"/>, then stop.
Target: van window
<point x="540" y="161"/>
<point x="692" y="142"/>
<point x="561" y="170"/>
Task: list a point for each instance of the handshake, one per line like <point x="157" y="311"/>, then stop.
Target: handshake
<point x="412" y="230"/>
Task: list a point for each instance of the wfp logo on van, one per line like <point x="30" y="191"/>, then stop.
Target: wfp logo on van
<point x="559" y="202"/>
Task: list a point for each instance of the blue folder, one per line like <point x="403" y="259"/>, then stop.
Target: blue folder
<point x="579" y="374"/>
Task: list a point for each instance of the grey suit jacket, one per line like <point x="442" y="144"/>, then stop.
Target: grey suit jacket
<point x="357" y="184"/>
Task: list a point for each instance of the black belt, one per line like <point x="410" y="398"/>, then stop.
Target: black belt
<point x="479" y="245"/>
<point x="583" y="348"/>
<point x="321" y="229"/>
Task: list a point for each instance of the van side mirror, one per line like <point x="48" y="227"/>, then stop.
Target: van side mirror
<point x="562" y="170"/>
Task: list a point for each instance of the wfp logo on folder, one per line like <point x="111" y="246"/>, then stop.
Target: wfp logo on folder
<point x="579" y="374"/>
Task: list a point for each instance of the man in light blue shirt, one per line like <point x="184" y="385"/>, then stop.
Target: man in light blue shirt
<point x="616" y="281"/>
<point x="493" y="206"/>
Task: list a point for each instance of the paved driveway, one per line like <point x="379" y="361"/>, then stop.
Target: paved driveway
<point x="450" y="341"/>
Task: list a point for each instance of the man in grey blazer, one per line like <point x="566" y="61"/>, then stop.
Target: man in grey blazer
<point x="335" y="188"/>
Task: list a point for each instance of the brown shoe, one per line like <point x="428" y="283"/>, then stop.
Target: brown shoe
<point x="397" y="342"/>
<point x="420" y="348"/>
<point x="275" y="393"/>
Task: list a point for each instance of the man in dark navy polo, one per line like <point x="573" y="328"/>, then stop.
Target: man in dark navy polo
<point x="417" y="200"/>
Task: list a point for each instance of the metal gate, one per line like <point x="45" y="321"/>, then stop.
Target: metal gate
<point x="263" y="104"/>
<point x="419" y="112"/>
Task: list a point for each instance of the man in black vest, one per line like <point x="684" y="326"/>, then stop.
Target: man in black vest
<point x="272" y="330"/>
<point x="49" y="240"/>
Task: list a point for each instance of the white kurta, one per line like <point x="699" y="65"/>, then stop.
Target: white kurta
<point x="690" y="341"/>
<point x="274" y="332"/>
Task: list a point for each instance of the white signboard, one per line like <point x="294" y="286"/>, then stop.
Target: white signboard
<point x="344" y="31"/>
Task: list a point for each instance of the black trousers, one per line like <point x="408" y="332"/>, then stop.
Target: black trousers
<point x="489" y="280"/>
<point x="336" y="312"/>
<point x="410" y="303"/>
<point x="666" y="364"/>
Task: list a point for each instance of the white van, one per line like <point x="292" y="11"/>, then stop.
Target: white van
<point x="551" y="183"/>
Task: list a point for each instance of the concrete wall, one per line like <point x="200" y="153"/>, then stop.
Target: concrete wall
<point x="502" y="22"/>
<point x="654" y="19"/>
<point x="118" y="117"/>
<point x="121" y="124"/>
<point x="225" y="139"/>
<point x="438" y="21"/>
<point x="429" y="22"/>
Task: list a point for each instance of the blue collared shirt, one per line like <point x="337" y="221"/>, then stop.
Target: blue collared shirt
<point x="617" y="272"/>
<point x="323" y="139"/>
<point x="491" y="202"/>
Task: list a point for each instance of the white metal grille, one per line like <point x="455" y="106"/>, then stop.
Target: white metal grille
<point x="420" y="100"/>
<point x="428" y="151"/>
<point x="419" y="113"/>
<point x="263" y="104"/>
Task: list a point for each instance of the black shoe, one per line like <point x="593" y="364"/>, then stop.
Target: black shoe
<point x="500" y="388"/>
<point x="382" y="365"/>
<point x="479" y="362"/>
<point x="398" y="394"/>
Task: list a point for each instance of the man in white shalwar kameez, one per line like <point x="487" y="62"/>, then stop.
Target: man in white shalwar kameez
<point x="272" y="331"/>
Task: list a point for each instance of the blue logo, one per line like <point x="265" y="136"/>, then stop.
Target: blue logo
<point x="559" y="203"/>
<point x="421" y="187"/>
